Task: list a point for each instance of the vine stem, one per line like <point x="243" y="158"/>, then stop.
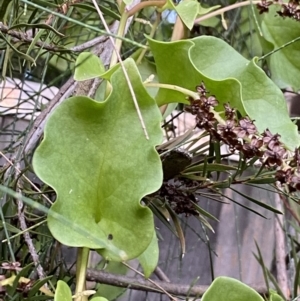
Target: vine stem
<point x="279" y="48"/>
<point x="82" y="261"/>
<point x="74" y="21"/>
<point x="144" y="4"/>
<point x="151" y="35"/>
<point x="187" y="92"/>
<point x="225" y="9"/>
<point x="118" y="43"/>
<point x="123" y="68"/>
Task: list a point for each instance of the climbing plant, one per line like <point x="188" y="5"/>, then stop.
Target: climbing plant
<point x="104" y="155"/>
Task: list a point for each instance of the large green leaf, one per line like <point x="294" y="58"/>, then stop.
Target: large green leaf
<point x="149" y="258"/>
<point x="96" y="157"/>
<point x="284" y="64"/>
<point x="229" y="76"/>
<point x="229" y="289"/>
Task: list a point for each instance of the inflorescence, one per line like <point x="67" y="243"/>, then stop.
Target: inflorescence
<point x="289" y="10"/>
<point x="241" y="135"/>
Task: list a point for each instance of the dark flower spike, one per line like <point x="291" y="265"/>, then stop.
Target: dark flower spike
<point x="252" y="149"/>
<point x="275" y="156"/>
<point x="201" y="89"/>
<point x="295" y="181"/>
<point x="263" y="7"/>
<point x="246" y="127"/>
<point x="284" y="176"/>
<point x="288" y="10"/>
<point x="211" y="101"/>
<point x="227" y="129"/>
<point x="270" y="140"/>
<point x="229" y="112"/>
<point x="295" y="162"/>
<point x="205" y="120"/>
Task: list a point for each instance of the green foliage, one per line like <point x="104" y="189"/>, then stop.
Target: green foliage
<point x="149" y="258"/>
<point x="284" y="64"/>
<point x="99" y="299"/>
<point x="229" y="289"/>
<point x="88" y="66"/>
<point x="62" y="292"/>
<point x="231" y="77"/>
<point x="188" y="11"/>
<point x="111" y="292"/>
<point x="274" y="296"/>
<point x="95" y="154"/>
<point x="97" y="159"/>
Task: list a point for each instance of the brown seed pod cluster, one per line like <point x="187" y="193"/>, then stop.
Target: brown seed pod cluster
<point x="179" y="193"/>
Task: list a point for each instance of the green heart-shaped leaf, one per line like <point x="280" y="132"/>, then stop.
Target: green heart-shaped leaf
<point x="229" y="289"/>
<point x="229" y="76"/>
<point x="96" y="157"/>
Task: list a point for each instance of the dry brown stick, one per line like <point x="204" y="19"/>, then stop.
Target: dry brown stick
<point x="144" y="285"/>
<point x="161" y="275"/>
<point x="152" y="282"/>
<point x="23" y="37"/>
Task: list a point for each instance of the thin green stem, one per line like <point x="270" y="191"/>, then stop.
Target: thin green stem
<point x="74" y="21"/>
<point x="141" y="5"/>
<point x="151" y="35"/>
<point x="81" y="267"/>
<point x="122" y="7"/>
<point x="279" y="48"/>
<point x="218" y="116"/>
<point x="118" y="43"/>
<point x="123" y="68"/>
<point x="187" y="92"/>
<point x="225" y="9"/>
<point x="12" y="255"/>
<point x="22" y="232"/>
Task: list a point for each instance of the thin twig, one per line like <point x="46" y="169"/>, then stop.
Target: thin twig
<point x="151" y="281"/>
<point x="74" y="21"/>
<point x="144" y="284"/>
<point x="27" y="238"/>
<point x="225" y="9"/>
<point x="21" y="232"/>
<point x="124" y="70"/>
<point x="24" y="37"/>
<point x="161" y="275"/>
<point x="89" y="44"/>
<point x="140" y="6"/>
<point x="17" y="168"/>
